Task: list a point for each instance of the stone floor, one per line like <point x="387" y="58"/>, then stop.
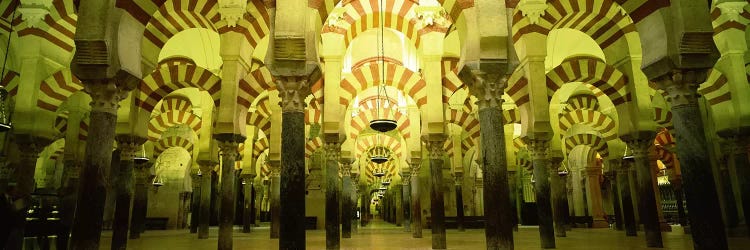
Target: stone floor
<point x="380" y="235"/>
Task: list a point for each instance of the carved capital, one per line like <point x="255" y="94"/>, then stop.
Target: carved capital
<point x="30" y="146"/>
<point x="292" y="91"/>
<point x="232" y="11"/>
<point x="435" y="145"/>
<point x="737" y="145"/>
<point x="458" y="178"/>
<point x="639" y="147"/>
<point x="533" y="10"/>
<point x="732" y="10"/>
<point x="275" y="166"/>
<point x="415" y="165"/>
<point x="346" y="170"/>
<point x="332" y="148"/>
<point x="432" y="19"/>
<point x="128" y="145"/>
<point x="538" y="148"/>
<point x="335" y="23"/>
<point x="106" y="95"/>
<point x="488" y="88"/>
<point x="681" y="86"/>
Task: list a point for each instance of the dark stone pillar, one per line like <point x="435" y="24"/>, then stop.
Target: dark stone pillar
<point x="676" y="181"/>
<point x="68" y="196"/>
<point x="365" y="200"/>
<point x="538" y="148"/>
<point x="292" y="90"/>
<point x="739" y="144"/>
<point x="353" y="199"/>
<point x="416" y="208"/>
<point x="275" y="196"/>
<point x="706" y="224"/>
<point x="406" y="196"/>
<point x="626" y="199"/>
<point x="346" y="198"/>
<point x="614" y="197"/>
<point x="557" y="187"/>
<point x="92" y="192"/>
<point x="647" y="210"/>
<point x="333" y="192"/>
<point x="29" y="147"/>
<point x="204" y="216"/>
<point x="247" y="210"/>
<point x="488" y="88"/>
<point x="229" y="145"/>
<point x="195" y="202"/>
<point x="253" y="205"/>
<point x="140" y="199"/>
<point x="128" y="145"/>
<point x="437" y="206"/>
<point x="459" y="200"/>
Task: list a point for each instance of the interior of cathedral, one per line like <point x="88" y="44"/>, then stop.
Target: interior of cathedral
<point x="374" y="124"/>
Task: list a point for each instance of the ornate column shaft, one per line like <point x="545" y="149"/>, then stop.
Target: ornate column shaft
<point x="416" y="206"/>
<point x="333" y="192"/>
<point x="140" y="199"/>
<point x="292" y="90"/>
<point x="707" y="227"/>
<point x="539" y="149"/>
<point x="649" y="215"/>
<point x="558" y="190"/>
<point x="29" y="147"/>
<point x="594" y="191"/>
<point x="488" y="88"/>
<point x="346" y="198"/>
<point x="92" y="193"/>
<point x="354" y="197"/>
<point x="615" y="197"/>
<point x="206" y="168"/>
<point x="406" y="196"/>
<point x="249" y="204"/>
<point x="458" y="181"/>
<point x="275" y="194"/>
<point x="229" y="145"/>
<point x="196" y="202"/>
<point x="437" y="204"/>
<point x="128" y="146"/>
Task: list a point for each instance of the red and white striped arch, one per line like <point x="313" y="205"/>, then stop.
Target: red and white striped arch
<point x="313" y="113"/>
<point x="389" y="168"/>
<point x="716" y="88"/>
<point x="600" y="122"/>
<point x="176" y="103"/>
<point x="467" y="121"/>
<point x="365" y="143"/>
<point x="728" y="21"/>
<point x="166" y="79"/>
<point x="158" y="124"/>
<point x="397" y="76"/>
<point x="663" y="143"/>
<point x="369" y="112"/>
<point x="518" y="88"/>
<point x="10" y="82"/>
<point x="312" y="145"/>
<point x="261" y="117"/>
<point x="260" y="146"/>
<point x="170" y="142"/>
<point x="583" y="101"/>
<point x="254" y="25"/>
<point x="57" y="28"/>
<point x="61" y="123"/>
<point x="451" y="82"/>
<point x="360" y="16"/>
<point x="83" y="131"/>
<point x="598" y="144"/>
<point x="591" y="71"/>
<point x="56" y="89"/>
<point x="253" y="84"/>
<point x="172" y="17"/>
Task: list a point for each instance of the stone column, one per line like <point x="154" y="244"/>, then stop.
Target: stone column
<point x="346" y="198"/>
<point x="595" y="194"/>
<point x="365" y="200"/>
<point x="612" y="177"/>
<point x="406" y="196"/>
<point x="195" y="203"/>
<point x="558" y="190"/>
<point x="354" y="197"/>
<point x="292" y="91"/>
<point x="647" y="210"/>
<point x="488" y="88"/>
<point x="128" y="146"/>
<point x="707" y="227"/>
<point x="416" y="207"/>
<point x="459" y="200"/>
<point x="204" y="218"/>
<point x="29" y="147"/>
<point x="538" y="148"/>
<point x="247" y="211"/>
<point x="333" y="192"/>
<point x="228" y="144"/>
<point x="437" y="205"/>
<point x="676" y="181"/>
<point x="738" y="156"/>
<point x="275" y="193"/>
<point x="92" y="192"/>
<point x="140" y="199"/>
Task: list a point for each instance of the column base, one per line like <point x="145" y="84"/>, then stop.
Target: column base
<point x="599" y="223"/>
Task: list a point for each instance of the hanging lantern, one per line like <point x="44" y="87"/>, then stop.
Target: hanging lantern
<point x="158" y="182"/>
<point x="382" y="124"/>
<point x="382" y="188"/>
<point x="386" y="182"/>
<point x="563" y="171"/>
<point x="628" y="156"/>
<point x="141" y="157"/>
<point x="379" y="173"/>
<point x="4" y="117"/>
<point x="379" y="154"/>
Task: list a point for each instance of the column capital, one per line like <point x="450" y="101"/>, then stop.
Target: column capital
<point x="639" y="146"/>
<point x="106" y="94"/>
<point x="332" y="150"/>
<point x="414" y="165"/>
<point x="275" y="166"/>
<point x="293" y="90"/>
<point x="538" y="148"/>
<point x="488" y="88"/>
<point x="346" y="170"/>
<point x="229" y="144"/>
<point x="681" y="85"/>
<point x="128" y="145"/>
<point x="30" y="146"/>
<point x="435" y="145"/>
<point x="458" y="178"/>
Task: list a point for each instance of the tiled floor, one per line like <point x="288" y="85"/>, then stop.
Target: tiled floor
<point x="387" y="236"/>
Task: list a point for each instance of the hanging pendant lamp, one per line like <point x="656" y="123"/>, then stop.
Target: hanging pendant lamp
<point x="379" y="154"/>
<point x="4" y="113"/>
<point x="141" y="157"/>
<point x="382" y="124"/>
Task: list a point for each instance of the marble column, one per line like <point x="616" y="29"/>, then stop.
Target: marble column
<point x="195" y="202"/>
<point x="247" y="211"/>
<point x="29" y="148"/>
<point x="738" y="156"/>
<point x="204" y="216"/>
<point x="333" y="192"/>
<point x="92" y="192"/>
<point x="458" y="179"/>
<point x="229" y="145"/>
<point x="558" y="190"/>
<point x="706" y="224"/>
<point x="128" y="146"/>
<point x="292" y="90"/>
<point x="437" y="205"/>
<point x="140" y="199"/>
<point x="346" y="198"/>
<point x="615" y="197"/>
<point x="488" y="88"/>
<point x="406" y="196"/>
<point x="538" y="148"/>
<point x="275" y="194"/>
<point x="647" y="210"/>
<point x="595" y="194"/>
<point x="416" y="206"/>
<point x="354" y="198"/>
